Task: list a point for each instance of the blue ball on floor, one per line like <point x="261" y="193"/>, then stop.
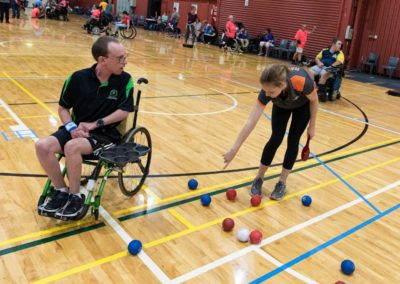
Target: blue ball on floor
<point x="306" y="200"/>
<point x="134" y="247"/>
<point x="348" y="267"/>
<point x="205" y="200"/>
<point x="192" y="184"/>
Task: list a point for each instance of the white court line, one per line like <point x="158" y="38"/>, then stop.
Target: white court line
<point x="233" y="106"/>
<point x="325" y="110"/>
<point x="278" y="264"/>
<point x="21" y="125"/>
<point x="239" y="253"/>
<point x="360" y="121"/>
<point x="127" y="239"/>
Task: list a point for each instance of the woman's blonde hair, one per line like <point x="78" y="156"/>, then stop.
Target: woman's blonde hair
<point x="274" y="74"/>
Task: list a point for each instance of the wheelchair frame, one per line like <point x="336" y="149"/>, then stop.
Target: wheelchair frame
<point x="110" y="164"/>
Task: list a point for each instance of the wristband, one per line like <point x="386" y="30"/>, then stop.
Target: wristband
<point x="70" y="126"/>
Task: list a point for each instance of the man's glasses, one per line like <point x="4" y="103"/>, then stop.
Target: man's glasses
<point x="121" y="59"/>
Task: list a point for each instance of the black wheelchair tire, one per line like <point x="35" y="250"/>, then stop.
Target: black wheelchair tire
<point x="125" y="176"/>
<point x="129" y="33"/>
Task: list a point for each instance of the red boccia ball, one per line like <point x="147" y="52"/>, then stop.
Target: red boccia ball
<point x="231" y="194"/>
<point x="255" y="200"/>
<point x="228" y="224"/>
<point x="255" y="237"/>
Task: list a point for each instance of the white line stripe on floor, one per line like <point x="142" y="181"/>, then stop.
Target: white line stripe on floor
<point x="127" y="239"/>
<point x="239" y="253"/>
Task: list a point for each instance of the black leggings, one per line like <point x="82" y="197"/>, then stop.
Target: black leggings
<point x="279" y="121"/>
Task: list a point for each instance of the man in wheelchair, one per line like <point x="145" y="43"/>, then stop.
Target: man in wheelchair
<point x="100" y="97"/>
<point x="328" y="70"/>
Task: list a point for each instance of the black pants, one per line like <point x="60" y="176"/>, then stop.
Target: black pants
<point x="4" y="9"/>
<point x="279" y="121"/>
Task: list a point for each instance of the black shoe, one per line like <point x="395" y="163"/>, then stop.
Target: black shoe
<point x="279" y="191"/>
<point x="256" y="187"/>
<point x="72" y="208"/>
<point x="55" y="202"/>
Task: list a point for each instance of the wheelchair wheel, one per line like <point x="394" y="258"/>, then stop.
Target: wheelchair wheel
<point x="96" y="30"/>
<point x="134" y="174"/>
<point x="129" y="33"/>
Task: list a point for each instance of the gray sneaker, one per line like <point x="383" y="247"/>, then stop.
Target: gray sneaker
<point x="256" y="187"/>
<point x="279" y="191"/>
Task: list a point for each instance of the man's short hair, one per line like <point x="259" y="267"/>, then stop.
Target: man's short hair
<point x="100" y="47"/>
<point x="335" y="40"/>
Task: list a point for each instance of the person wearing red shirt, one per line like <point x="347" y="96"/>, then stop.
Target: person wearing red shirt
<point x="230" y="31"/>
<point x="125" y="22"/>
<point x="301" y="38"/>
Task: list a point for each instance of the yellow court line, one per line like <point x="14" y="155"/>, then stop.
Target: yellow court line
<point x="23" y="117"/>
<point x="82" y="268"/>
<point x="46" y="232"/>
<point x="354" y="124"/>
<point x="173" y="212"/>
<point x="248" y="178"/>
<point x="56" y="229"/>
<point x="205" y="225"/>
<point x="31" y="95"/>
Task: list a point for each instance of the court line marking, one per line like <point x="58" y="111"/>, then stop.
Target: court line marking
<point x="345" y="182"/>
<point x="205" y="225"/>
<point x="248" y="178"/>
<point x="278" y="263"/>
<point x="361" y="121"/>
<point x="60" y="228"/>
<point x="280" y="235"/>
<point x="323" y="109"/>
<point x="127" y="239"/>
<point x="233" y="106"/>
<point x="23" y="117"/>
<point x="32" y="96"/>
<point x="354" y="125"/>
<point x="172" y="211"/>
<point x="21" y="125"/>
<point x="325" y="245"/>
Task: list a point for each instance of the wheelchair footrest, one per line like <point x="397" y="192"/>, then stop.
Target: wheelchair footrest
<point x="124" y="153"/>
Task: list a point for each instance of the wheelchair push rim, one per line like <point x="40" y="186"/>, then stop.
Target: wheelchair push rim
<point x="134" y="174"/>
<point x="129" y="33"/>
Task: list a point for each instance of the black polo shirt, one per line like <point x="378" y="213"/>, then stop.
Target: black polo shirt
<point x="91" y="100"/>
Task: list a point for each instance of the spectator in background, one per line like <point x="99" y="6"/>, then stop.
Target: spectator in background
<point x="198" y="28"/>
<point x="103" y="5"/>
<point x="301" y="38"/>
<point x="267" y="41"/>
<point x="110" y="8"/>
<point x="230" y="32"/>
<point x="16" y="7"/>
<point x="5" y="11"/>
<point x="175" y="15"/>
<point x="209" y="33"/>
<point x="190" y="27"/>
<point x="35" y="13"/>
<point x="243" y="38"/>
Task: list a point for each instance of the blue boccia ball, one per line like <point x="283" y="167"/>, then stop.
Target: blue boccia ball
<point x="348" y="267"/>
<point x="134" y="247"/>
<point x="306" y="200"/>
<point x="192" y="184"/>
<point x="205" y="200"/>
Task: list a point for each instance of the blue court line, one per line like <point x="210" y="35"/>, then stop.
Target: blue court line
<point x="337" y="175"/>
<point x="4" y="136"/>
<point x="346" y="183"/>
<point x="323" y="246"/>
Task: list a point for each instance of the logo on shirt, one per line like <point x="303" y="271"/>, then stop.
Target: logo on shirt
<point x="113" y="95"/>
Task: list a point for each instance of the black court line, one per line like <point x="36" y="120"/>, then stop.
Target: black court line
<point x="157" y="209"/>
<point x="358" y="137"/>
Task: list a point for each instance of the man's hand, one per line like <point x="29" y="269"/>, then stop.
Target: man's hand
<point x="87" y="126"/>
<point x="320" y="65"/>
<point x="77" y="133"/>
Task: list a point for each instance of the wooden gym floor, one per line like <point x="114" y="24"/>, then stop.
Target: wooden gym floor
<point x="194" y="106"/>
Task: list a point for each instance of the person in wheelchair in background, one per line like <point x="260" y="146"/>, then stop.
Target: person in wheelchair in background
<point x="124" y="23"/>
<point x="243" y="38"/>
<point x="329" y="64"/>
<point x="93" y="102"/>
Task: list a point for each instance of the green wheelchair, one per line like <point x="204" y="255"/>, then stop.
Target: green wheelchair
<point x="130" y="159"/>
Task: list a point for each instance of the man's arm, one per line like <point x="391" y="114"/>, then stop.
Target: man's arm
<point x="318" y="60"/>
<point x="116" y="116"/>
